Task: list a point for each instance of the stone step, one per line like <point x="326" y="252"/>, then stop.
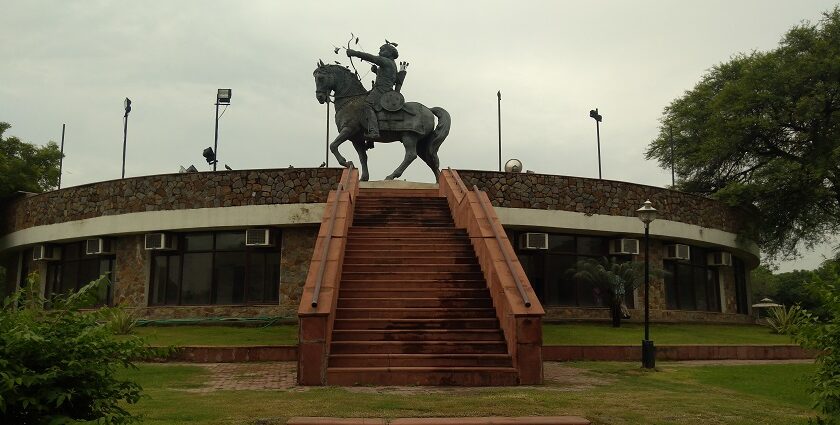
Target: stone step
<point x="356" y="258"/>
<point x="417" y="267"/>
<point x="430" y="244"/>
<point x="424" y="275"/>
<point x="416" y="324"/>
<point x="467" y="376"/>
<point x="405" y="231"/>
<point x="413" y="293"/>
<point x="379" y="193"/>
<point x="416" y="238"/>
<point x="414" y="252"/>
<point x="414" y="313"/>
<point x="415" y="302"/>
<point x="419" y="360"/>
<point x="418" y="347"/>
<point x="417" y="335"/>
<point x="363" y="283"/>
<point x="386" y="225"/>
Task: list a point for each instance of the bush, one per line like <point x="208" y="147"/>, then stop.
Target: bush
<point x="120" y="321"/>
<point x="58" y="365"/>
<point x="823" y="334"/>
<point x="783" y="320"/>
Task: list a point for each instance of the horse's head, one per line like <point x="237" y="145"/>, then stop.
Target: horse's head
<point x="334" y="78"/>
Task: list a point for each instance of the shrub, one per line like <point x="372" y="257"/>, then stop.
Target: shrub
<point x="120" y="321"/>
<point x="783" y="320"/>
<point x="58" y="365"/>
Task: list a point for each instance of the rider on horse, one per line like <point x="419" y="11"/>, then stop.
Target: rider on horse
<point x="387" y="78"/>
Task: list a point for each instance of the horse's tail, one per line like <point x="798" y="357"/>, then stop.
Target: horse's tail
<point x="441" y="130"/>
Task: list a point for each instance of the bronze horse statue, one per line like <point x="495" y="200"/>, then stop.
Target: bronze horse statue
<point x="413" y="124"/>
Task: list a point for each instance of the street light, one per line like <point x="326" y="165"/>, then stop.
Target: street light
<point x="222" y="98"/>
<point x="593" y="113"/>
<point x="647" y="214"/>
<point x="127" y="106"/>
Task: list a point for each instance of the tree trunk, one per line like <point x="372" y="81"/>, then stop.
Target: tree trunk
<point x="615" y="312"/>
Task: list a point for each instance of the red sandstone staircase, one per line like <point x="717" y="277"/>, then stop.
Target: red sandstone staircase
<point x="413" y="306"/>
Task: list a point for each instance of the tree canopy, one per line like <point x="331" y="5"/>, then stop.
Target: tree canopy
<point x="762" y="131"/>
<point x="26" y="167"/>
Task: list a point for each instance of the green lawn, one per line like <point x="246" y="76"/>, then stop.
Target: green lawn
<point x="662" y="334"/>
<point x="611" y="393"/>
<point x="553" y="334"/>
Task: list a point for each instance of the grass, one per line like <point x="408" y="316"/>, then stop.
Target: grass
<point x="219" y="335"/>
<point x="553" y="334"/>
<point x="663" y="334"/>
<point x="616" y="394"/>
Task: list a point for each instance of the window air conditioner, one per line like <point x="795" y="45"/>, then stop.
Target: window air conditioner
<point x="720" y="258"/>
<point x="624" y="246"/>
<point x="159" y="242"/>
<point x="97" y="246"/>
<point x="46" y="253"/>
<point x="258" y="237"/>
<point x="533" y="241"/>
<point x="677" y="252"/>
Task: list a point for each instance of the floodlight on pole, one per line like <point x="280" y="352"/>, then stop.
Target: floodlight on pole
<point x="593" y="113"/>
<point x="647" y="213"/>
<point x="222" y="98"/>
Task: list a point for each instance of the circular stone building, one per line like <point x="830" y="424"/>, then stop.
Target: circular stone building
<point x="239" y="243"/>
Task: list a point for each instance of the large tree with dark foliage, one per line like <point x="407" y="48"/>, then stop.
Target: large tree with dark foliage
<point x="26" y="167"/>
<point x="762" y="131"/>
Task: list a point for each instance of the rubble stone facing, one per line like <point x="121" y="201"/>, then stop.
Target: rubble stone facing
<point x="170" y="192"/>
<point x="607" y="197"/>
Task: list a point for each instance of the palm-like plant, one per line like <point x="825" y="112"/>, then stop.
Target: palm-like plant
<point x="616" y="277"/>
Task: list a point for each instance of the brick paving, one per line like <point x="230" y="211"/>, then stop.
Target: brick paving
<point x="248" y="376"/>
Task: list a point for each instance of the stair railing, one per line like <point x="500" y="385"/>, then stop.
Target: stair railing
<point x="521" y="288"/>
<point x="317" y="292"/>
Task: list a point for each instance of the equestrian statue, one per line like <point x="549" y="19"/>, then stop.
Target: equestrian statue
<point x="380" y="115"/>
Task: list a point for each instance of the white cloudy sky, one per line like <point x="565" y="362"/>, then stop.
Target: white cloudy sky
<point x="73" y="62"/>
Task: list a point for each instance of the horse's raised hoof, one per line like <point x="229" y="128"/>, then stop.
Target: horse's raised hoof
<point x="391" y="177"/>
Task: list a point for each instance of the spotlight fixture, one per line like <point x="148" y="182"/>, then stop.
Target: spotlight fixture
<point x="223" y="96"/>
<point x="210" y="156"/>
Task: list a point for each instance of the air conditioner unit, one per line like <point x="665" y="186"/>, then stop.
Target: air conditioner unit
<point x="258" y="237"/>
<point x="677" y="252"/>
<point x="46" y="253"/>
<point x="533" y="241"/>
<point x="159" y="242"/>
<point x="97" y="246"/>
<point x="720" y="258"/>
<point x="624" y="246"/>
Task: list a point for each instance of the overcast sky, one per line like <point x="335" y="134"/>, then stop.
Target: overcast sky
<point x="73" y="62"/>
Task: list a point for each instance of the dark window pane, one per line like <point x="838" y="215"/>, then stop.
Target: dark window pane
<point x="591" y="246"/>
<point x="698" y="256"/>
<point x="230" y="278"/>
<point x="686" y="290"/>
<point x="671" y="289"/>
<point x="230" y="241"/>
<point x="70" y="251"/>
<point x="560" y="287"/>
<point x="256" y="276"/>
<point x="533" y="264"/>
<point x="158" y="280"/>
<point x="740" y="285"/>
<point x="196" y="279"/>
<point x="272" y="275"/>
<point x="88" y="272"/>
<point x="561" y="244"/>
<point x="69" y="274"/>
<point x="712" y="289"/>
<point x="172" y="280"/>
<point x="53" y="279"/>
<point x="629" y="299"/>
<point x="198" y="242"/>
<point x="699" y="282"/>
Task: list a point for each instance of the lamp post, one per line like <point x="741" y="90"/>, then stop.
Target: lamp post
<point x="647" y="214"/>
<point x="127" y="105"/>
<point x="593" y="113"/>
<point x="499" y="104"/>
<point x="222" y="98"/>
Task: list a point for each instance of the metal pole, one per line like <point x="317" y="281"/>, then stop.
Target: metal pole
<point x="598" y="133"/>
<point x="61" y="160"/>
<point x="216" y="139"/>
<point x="327" y="146"/>
<point x="648" y="350"/>
<point x="125" y="138"/>
<point x="671" y="138"/>
<point x="499" y="95"/>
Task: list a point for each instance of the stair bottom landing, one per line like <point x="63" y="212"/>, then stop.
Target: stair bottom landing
<point x="425" y="376"/>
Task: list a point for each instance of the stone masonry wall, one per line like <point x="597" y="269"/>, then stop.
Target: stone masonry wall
<point x="296" y="253"/>
<point x="594" y="196"/>
<point x="131" y="274"/>
<point x="170" y="192"/>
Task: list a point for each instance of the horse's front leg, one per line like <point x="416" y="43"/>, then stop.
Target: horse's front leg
<point x="361" y="149"/>
<point x="343" y="135"/>
<point x="409" y="141"/>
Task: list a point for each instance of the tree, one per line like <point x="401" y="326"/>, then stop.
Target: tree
<point x="762" y="131"/>
<point x="26" y="167"/>
<point x="617" y="278"/>
<point x="59" y="365"/>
